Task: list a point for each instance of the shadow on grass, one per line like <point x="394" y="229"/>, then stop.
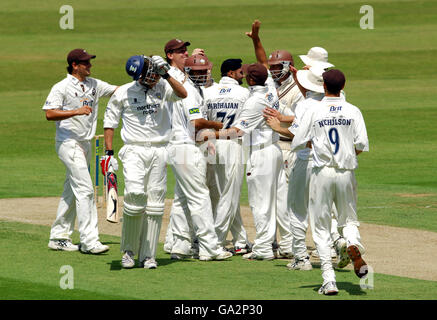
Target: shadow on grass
<point x="352" y="289"/>
<point x="115" y="265"/>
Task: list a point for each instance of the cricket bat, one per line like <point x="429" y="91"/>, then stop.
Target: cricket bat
<point x="112" y="212"/>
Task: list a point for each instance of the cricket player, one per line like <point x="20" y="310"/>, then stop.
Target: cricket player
<point x="289" y="94"/>
<point x="318" y="57"/>
<point x="282" y="248"/>
<point x="223" y="103"/>
<point x="264" y="159"/>
<point x="176" y="52"/>
<point x="337" y="133"/>
<point x="190" y="168"/>
<point x="311" y="83"/>
<point x="73" y="104"/>
<point x="146" y="118"/>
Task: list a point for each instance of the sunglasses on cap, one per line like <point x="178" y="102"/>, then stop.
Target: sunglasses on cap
<point x="180" y="50"/>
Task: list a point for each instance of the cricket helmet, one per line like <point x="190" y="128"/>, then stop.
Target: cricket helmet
<point x="198" y="63"/>
<point x="283" y="58"/>
<point x="141" y="68"/>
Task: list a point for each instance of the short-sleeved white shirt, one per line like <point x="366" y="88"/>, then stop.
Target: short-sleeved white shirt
<point x="71" y="94"/>
<point x="335" y="128"/>
<point x="224" y="101"/>
<point x="190" y="108"/>
<point x="304" y="106"/>
<point x="145" y="115"/>
<point x="251" y="120"/>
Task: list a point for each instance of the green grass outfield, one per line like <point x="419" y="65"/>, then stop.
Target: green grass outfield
<point x="389" y="72"/>
<point x="34" y="273"/>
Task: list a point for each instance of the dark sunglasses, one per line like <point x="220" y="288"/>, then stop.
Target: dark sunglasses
<point x="180" y="50"/>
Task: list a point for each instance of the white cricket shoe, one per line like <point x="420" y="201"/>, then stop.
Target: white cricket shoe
<point x="328" y="289"/>
<point x="150" y="263"/>
<point x="127" y="261"/>
<point x="179" y="256"/>
<point x="221" y="256"/>
<point x="97" y="249"/>
<point x="341" y="248"/>
<point x="300" y="264"/>
<point x="254" y="256"/>
<point x="63" y="245"/>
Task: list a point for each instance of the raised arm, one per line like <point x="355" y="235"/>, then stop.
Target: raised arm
<point x="260" y="53"/>
<point x="161" y="67"/>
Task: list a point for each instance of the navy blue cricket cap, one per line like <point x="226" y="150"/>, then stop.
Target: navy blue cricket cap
<point x="230" y="65"/>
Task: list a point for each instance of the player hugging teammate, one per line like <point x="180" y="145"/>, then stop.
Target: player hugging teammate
<point x="292" y="129"/>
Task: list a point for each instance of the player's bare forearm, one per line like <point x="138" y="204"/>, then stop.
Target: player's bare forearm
<point x="200" y="124"/>
<point x="287" y="119"/>
<point x="260" y="53"/>
<point x="275" y="124"/>
<point x="271" y="112"/>
<point x="228" y="134"/>
<point x="57" y="115"/>
<point x="109" y="137"/>
<point x="178" y="88"/>
<point x="284" y="132"/>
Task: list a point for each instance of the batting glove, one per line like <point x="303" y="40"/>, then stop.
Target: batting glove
<point x="161" y="66"/>
<point x="108" y="163"/>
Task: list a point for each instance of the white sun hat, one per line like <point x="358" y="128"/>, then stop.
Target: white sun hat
<point x="316" y="56"/>
<point x="311" y="79"/>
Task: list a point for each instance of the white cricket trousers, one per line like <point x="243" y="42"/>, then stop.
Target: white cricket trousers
<point x="288" y="157"/>
<point x="225" y="179"/>
<point x="145" y="176"/>
<point x="283" y="219"/>
<point x="190" y="167"/>
<point x="298" y="194"/>
<point x="78" y="196"/>
<point x="327" y="186"/>
<point x="264" y="167"/>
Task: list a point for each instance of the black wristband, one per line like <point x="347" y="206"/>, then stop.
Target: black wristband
<point x="109" y="152"/>
<point x="165" y="76"/>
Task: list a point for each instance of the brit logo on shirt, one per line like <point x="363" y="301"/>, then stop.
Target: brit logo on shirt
<point x="158" y="95"/>
<point x="94" y="92"/>
<point x="270" y="97"/>
<point x="334" y="109"/>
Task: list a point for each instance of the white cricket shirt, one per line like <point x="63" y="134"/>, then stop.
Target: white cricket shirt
<point x="251" y="120"/>
<point x="224" y="101"/>
<point x="190" y="108"/>
<point x="144" y="114"/>
<point x="335" y="128"/>
<point x="71" y="94"/>
<point x="304" y="106"/>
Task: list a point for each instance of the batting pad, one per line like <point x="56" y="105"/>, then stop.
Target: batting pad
<point x="152" y="228"/>
<point x="131" y="230"/>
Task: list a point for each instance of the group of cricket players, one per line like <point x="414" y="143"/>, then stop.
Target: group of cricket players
<point x="291" y="134"/>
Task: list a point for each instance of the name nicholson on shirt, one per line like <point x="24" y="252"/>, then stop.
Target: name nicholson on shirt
<point x="334" y="122"/>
